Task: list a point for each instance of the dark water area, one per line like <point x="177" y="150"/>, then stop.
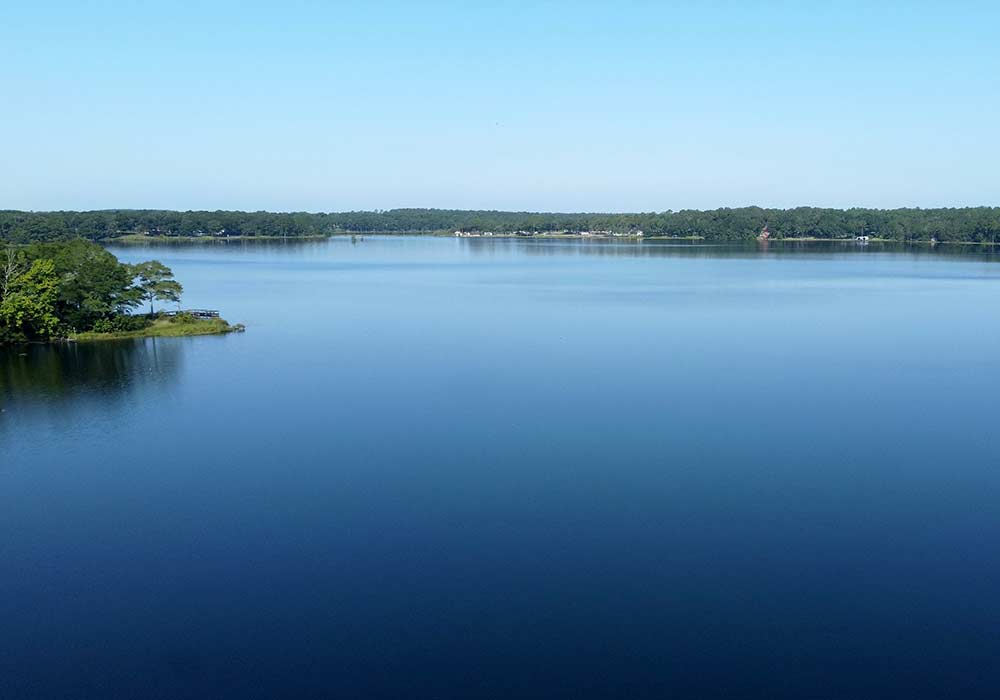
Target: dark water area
<point x="479" y="468"/>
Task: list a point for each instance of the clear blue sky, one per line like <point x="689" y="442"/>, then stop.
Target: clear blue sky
<point x="568" y="106"/>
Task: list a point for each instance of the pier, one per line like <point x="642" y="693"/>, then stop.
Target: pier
<point x="197" y="313"/>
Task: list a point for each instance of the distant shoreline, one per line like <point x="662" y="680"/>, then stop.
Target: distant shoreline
<point x="963" y="224"/>
<point x="146" y="238"/>
<point x="549" y="235"/>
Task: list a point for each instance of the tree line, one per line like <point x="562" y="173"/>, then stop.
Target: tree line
<point x="53" y="289"/>
<point x="969" y="224"/>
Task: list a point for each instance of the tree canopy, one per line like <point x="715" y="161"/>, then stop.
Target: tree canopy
<point x="27" y="308"/>
<point x="155" y="282"/>
<point x="55" y="288"/>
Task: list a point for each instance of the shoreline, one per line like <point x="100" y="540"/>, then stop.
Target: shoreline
<point x="143" y="238"/>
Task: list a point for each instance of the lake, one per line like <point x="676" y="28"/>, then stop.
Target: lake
<point x="475" y="468"/>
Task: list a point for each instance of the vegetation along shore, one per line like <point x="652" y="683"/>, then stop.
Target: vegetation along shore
<point x="160" y="326"/>
<point x="77" y="290"/>
<point x="943" y="225"/>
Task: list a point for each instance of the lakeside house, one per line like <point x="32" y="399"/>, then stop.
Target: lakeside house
<point x="170" y="233"/>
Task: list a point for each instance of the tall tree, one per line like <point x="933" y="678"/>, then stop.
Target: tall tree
<point x="10" y="269"/>
<point x="155" y="282"/>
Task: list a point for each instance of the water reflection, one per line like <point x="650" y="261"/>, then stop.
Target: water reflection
<point x="272" y="249"/>
<point x="661" y="248"/>
<point x="34" y="377"/>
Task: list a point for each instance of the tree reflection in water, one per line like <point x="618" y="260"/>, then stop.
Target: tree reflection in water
<point x="55" y="376"/>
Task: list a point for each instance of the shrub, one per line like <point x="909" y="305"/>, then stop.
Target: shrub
<point x="123" y="323"/>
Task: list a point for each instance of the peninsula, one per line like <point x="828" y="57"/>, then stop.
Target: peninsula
<point x="77" y="290"/>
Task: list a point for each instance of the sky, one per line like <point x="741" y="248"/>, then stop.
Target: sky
<point x="541" y="106"/>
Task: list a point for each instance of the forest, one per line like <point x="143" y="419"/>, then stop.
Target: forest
<point x="965" y="225"/>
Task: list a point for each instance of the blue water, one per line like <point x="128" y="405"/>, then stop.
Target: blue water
<point x="442" y="468"/>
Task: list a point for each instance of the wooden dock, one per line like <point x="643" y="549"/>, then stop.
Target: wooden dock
<point x="197" y="313"/>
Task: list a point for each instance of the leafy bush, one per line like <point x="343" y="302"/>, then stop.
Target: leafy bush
<point x="182" y="318"/>
<point x="10" y="336"/>
<point x="122" y="323"/>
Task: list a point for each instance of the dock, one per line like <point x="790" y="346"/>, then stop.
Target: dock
<point x="197" y="313"/>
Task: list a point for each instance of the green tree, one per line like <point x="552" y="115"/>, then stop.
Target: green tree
<point x="93" y="285"/>
<point x="155" y="282"/>
<point x="28" y="307"/>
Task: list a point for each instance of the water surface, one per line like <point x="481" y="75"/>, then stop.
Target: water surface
<point x="515" y="468"/>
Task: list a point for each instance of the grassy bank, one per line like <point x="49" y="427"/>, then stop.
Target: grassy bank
<point x="166" y="328"/>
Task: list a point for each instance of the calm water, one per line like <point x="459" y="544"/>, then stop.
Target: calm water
<point x="493" y="469"/>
